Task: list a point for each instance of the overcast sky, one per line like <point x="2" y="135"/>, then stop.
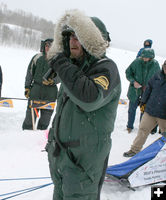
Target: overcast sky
<point x="129" y="22"/>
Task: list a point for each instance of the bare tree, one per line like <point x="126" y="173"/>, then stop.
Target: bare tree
<point x="23" y="29"/>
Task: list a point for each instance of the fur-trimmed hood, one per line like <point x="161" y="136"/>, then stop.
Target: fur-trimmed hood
<point x="86" y="31"/>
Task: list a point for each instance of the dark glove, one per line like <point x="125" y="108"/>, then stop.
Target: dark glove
<point x="57" y="61"/>
<point x="27" y="92"/>
<point x="48" y="82"/>
<point x="142" y="107"/>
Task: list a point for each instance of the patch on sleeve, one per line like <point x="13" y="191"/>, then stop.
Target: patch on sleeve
<point x="103" y="81"/>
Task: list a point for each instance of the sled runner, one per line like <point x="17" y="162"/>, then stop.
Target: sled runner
<point x="145" y="168"/>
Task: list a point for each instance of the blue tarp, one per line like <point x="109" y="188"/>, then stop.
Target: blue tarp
<point x="138" y="160"/>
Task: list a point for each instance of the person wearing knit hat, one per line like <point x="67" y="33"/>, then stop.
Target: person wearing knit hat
<point x="79" y="140"/>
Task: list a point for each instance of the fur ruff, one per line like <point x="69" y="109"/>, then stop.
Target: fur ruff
<point x="86" y="31"/>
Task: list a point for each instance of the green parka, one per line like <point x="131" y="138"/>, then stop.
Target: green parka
<point x="86" y="111"/>
<point x="38" y="66"/>
<point x="141" y="72"/>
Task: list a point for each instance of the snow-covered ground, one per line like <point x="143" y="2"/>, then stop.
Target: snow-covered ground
<point x="21" y="154"/>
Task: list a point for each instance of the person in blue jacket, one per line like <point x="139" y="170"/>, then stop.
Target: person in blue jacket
<point x="0" y="80"/>
<point x="147" y="44"/>
<point x="153" y="103"/>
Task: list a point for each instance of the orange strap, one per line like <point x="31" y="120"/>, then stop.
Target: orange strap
<point x="37" y="114"/>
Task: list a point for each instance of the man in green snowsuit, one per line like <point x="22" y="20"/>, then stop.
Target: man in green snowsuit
<point x="79" y="141"/>
<point x="39" y="90"/>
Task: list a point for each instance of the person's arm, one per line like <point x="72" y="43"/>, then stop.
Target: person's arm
<point x="147" y="92"/>
<point x="130" y="73"/>
<point x="30" y="72"/>
<point x="1" y="77"/>
<point x="146" y="96"/>
<point x="89" y="92"/>
<point x="139" y="52"/>
<point x="157" y="69"/>
<point x="29" y="76"/>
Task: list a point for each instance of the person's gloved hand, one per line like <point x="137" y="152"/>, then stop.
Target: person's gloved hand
<point x="57" y="61"/>
<point x="142" y="107"/>
<point x="27" y="92"/>
<point x="50" y="81"/>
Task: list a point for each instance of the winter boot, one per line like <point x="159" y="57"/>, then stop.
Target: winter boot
<point x="129" y="130"/>
<point x="129" y="153"/>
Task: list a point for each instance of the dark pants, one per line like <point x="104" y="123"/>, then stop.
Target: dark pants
<point x="78" y="173"/>
<point x="44" y="120"/>
<point x="132" y="112"/>
<point x="71" y="182"/>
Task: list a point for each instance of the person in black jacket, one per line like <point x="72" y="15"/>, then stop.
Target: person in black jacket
<point x="153" y="103"/>
<point x="0" y="80"/>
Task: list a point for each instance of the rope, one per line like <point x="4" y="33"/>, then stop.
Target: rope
<point x="20" y="192"/>
<point x="17" y="179"/>
<point x="27" y="190"/>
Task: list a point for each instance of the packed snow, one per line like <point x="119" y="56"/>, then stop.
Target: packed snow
<point x="21" y="152"/>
